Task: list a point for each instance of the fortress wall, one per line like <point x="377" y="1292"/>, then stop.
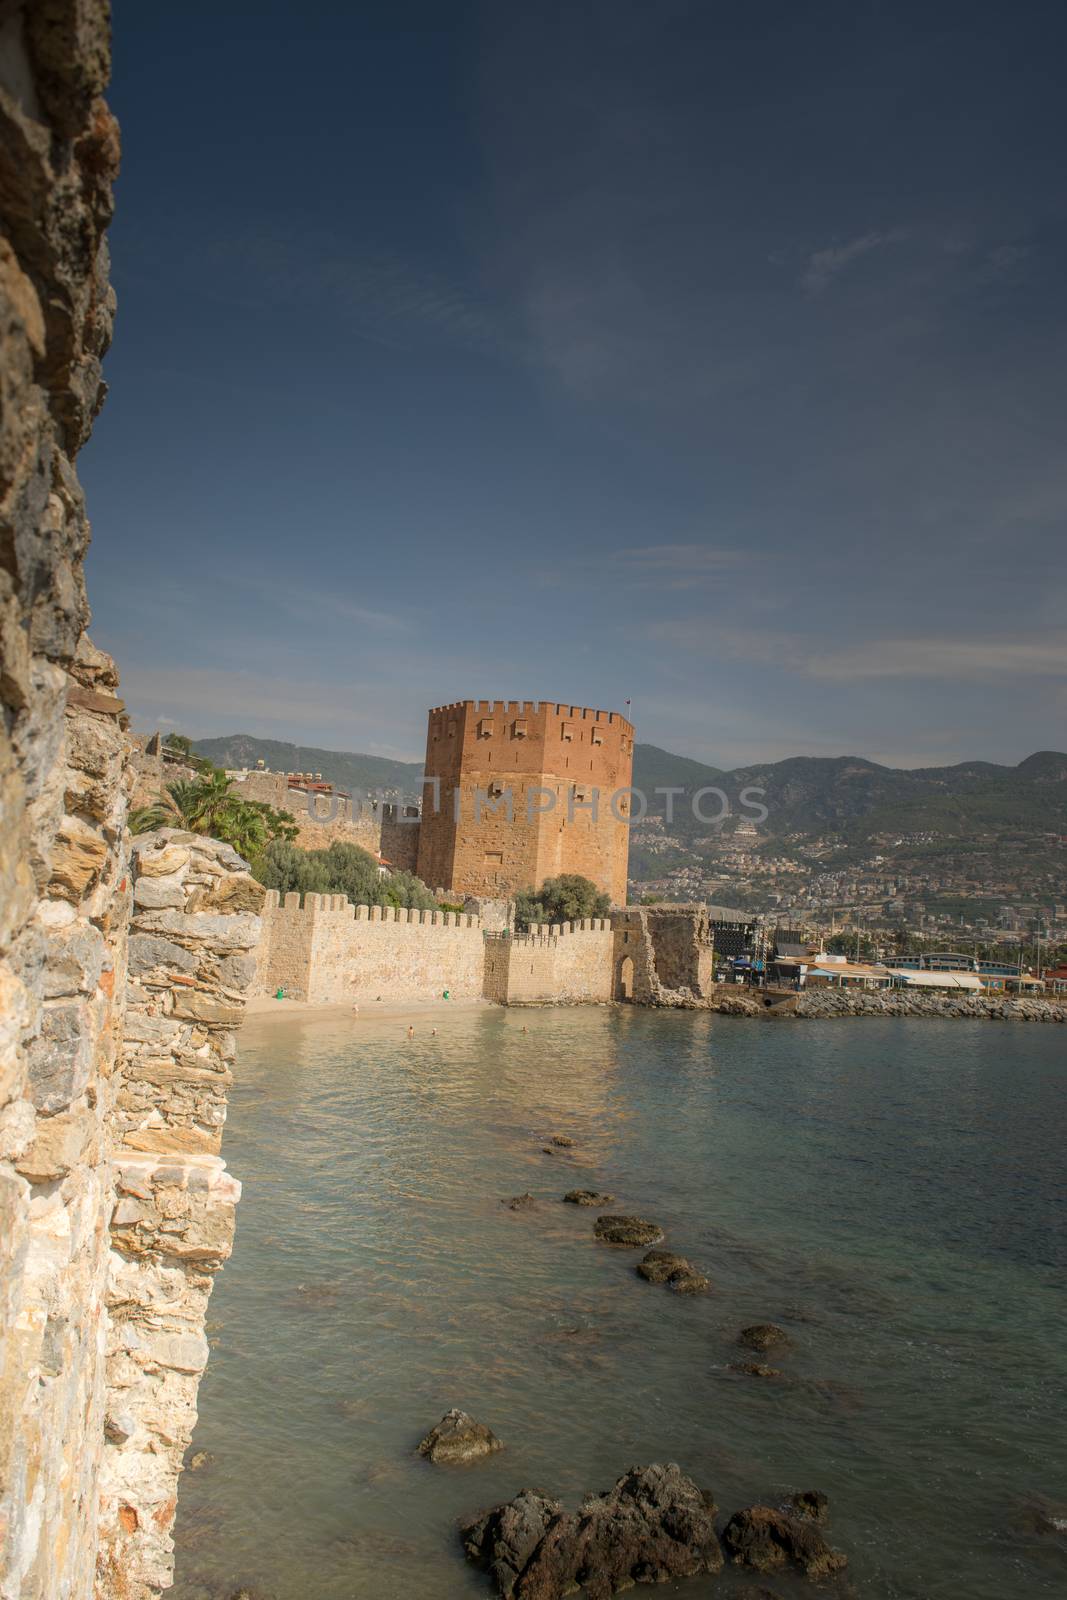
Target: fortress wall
<point x="194" y="928"/>
<point x="320" y="818"/>
<point x="101" y="1347"/>
<point x="331" y="952"/>
<point x="568" y="963"/>
<point x="63" y="775"/>
<point x="399" y="837"/>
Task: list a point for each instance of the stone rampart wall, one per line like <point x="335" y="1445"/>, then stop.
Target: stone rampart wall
<point x="101" y="1331"/>
<point x="193" y="932"/>
<point x="329" y="951"/>
<point x="64" y="889"/>
<point x="564" y="964"/>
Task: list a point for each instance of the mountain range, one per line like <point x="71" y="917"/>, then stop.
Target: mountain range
<point x="843" y="796"/>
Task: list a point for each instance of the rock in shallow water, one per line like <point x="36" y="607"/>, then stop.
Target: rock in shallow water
<point x="755" y="1369"/>
<point x="457" y="1437"/>
<point x="520" y="1202"/>
<point x="810" y="1503"/>
<point x="657" y="1266"/>
<point x="587" y="1197"/>
<point x="653" y="1526"/>
<point x="762" y="1336"/>
<point x="766" y="1539"/>
<point x="688" y="1282"/>
<point x="630" y="1231"/>
<point x="562" y="1141"/>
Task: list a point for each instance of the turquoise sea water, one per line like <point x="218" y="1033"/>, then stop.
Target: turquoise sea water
<point x="890" y="1192"/>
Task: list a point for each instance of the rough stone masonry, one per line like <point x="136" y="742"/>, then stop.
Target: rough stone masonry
<point x="115" y="1208"/>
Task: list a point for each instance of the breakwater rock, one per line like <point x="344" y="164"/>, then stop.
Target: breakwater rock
<point x="655" y="1525"/>
<point x="899" y="1003"/>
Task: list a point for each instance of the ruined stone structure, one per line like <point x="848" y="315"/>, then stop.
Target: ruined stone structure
<point x="114" y="1206"/>
<point x="663" y="955"/>
<point x="328" y="951"/>
<point x="557" y="767"/>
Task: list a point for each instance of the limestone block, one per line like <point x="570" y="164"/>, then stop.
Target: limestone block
<point x="18" y="1126"/>
<point x="160" y="861"/>
<point x="16" y="879"/>
<point x="143" y="1028"/>
<point x="225" y="933"/>
<point x="191" y="1141"/>
<point x="237" y="971"/>
<point x="230" y="894"/>
<point x="185" y="1352"/>
<point x="75" y="961"/>
<point x="159" y="892"/>
<point x="79" y="854"/>
<point x="146" y="952"/>
<point x="60" y="1144"/>
<point x="207" y="1008"/>
<point x="60" y="1059"/>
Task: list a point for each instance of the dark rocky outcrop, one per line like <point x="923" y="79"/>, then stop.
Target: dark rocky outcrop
<point x="520" y="1202"/>
<point x="458" y="1438"/>
<point x="767" y="1539"/>
<point x="630" y="1231"/>
<point x="658" y="1265"/>
<point x="762" y="1336"/>
<point x="688" y="1282"/>
<point x="587" y="1197"/>
<point x="810" y="1503"/>
<point x="654" y="1526"/>
<point x="562" y="1141"/>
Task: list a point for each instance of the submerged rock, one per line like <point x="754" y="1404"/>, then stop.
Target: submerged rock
<point x="762" y="1336"/>
<point x="754" y="1369"/>
<point x="655" y="1525"/>
<point x="688" y="1282"/>
<point x="657" y="1266"/>
<point x="587" y="1197"/>
<point x="630" y="1231"/>
<point x="810" y="1503"/>
<point x="520" y="1202"/>
<point x="562" y="1141"/>
<point x="766" y="1539"/>
<point x="457" y="1437"/>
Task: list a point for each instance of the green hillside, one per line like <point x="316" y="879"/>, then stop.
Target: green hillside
<point x="844" y="795"/>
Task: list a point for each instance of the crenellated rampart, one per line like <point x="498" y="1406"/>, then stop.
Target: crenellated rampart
<point x="328" y="951"/>
<point x="565" y="963"/>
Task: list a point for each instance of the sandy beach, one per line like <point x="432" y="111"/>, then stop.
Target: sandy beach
<point x="264" y="1009"/>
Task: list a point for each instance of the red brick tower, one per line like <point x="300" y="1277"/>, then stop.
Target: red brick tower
<point x="554" y="762"/>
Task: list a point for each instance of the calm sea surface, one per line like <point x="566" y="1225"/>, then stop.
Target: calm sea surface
<point x="890" y="1192"/>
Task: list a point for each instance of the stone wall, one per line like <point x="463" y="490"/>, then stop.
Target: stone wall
<point x="193" y="931"/>
<point x="101" y="1306"/>
<point x="565" y="964"/>
<point x="329" y="951"/>
<point x="64" y="889"/>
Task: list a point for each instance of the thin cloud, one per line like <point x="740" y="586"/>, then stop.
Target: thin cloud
<point x="984" y="659"/>
<point x="826" y="265"/>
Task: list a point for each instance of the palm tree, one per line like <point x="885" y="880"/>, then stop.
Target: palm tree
<point x="207" y="805"/>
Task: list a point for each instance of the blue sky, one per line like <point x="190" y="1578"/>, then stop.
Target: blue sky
<point x="711" y="356"/>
